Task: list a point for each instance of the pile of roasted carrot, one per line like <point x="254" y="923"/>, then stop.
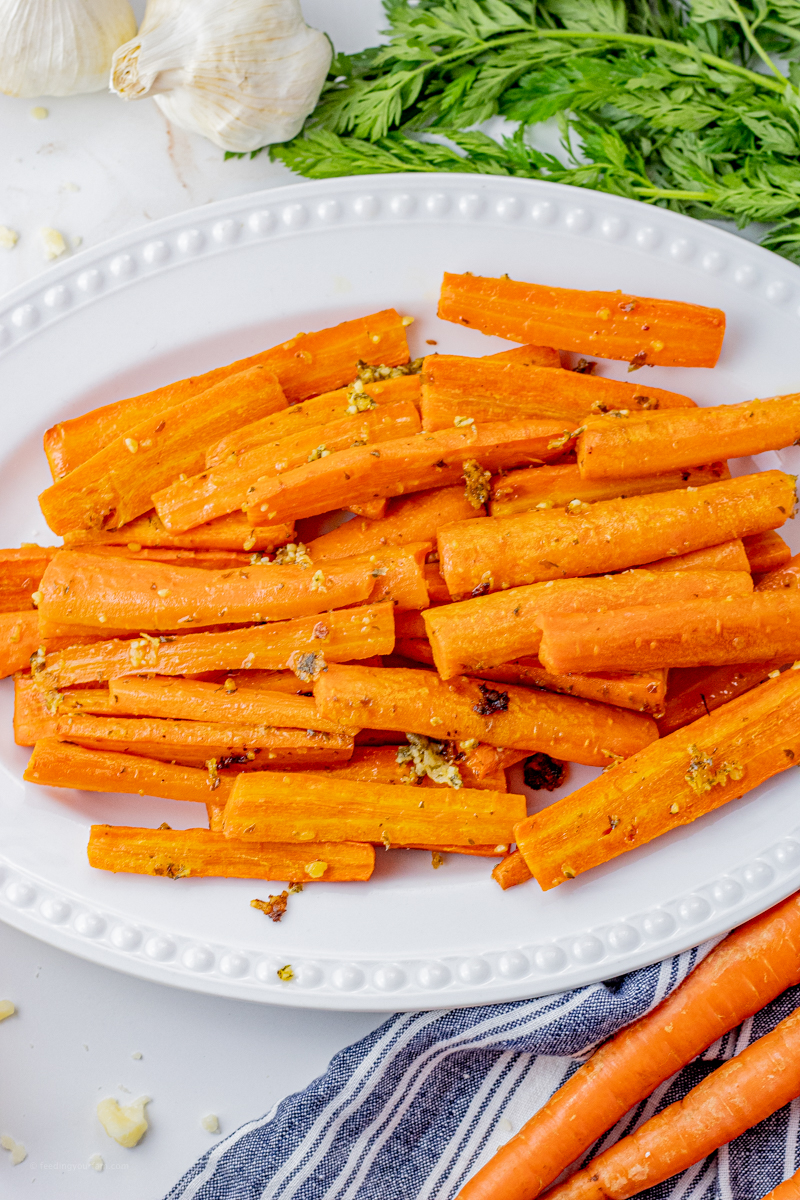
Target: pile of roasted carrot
<point x="542" y="561"/>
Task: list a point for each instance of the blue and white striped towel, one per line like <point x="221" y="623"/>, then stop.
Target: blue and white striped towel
<point x="412" y="1110"/>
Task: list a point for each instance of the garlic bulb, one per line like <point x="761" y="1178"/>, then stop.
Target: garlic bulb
<point x="244" y="73"/>
<point x="60" y="47"/>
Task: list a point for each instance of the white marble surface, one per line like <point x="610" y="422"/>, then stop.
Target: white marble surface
<point x="93" y="168"/>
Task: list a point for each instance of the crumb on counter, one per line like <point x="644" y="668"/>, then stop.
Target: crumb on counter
<point x="125" y="1124"/>
<point x="210" y="1123"/>
<point x="18" y="1151"/>
<point x="8" y="238"/>
<point x="96" y="1162"/>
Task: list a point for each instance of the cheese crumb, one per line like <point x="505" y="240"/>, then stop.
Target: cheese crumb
<point x="18" y="1151"/>
<point x="53" y="244"/>
<point x="96" y="1162"/>
<point x="210" y="1123"/>
<point x="8" y="238"/>
<point x="126" y="1125"/>
<point x="7" y="1009"/>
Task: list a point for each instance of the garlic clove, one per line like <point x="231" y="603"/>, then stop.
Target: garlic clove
<point x="60" y="47"/>
<point x="242" y="75"/>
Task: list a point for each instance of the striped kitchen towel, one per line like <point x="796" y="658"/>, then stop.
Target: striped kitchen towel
<point x="414" y="1109"/>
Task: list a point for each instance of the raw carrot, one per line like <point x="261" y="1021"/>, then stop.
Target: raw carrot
<point x="20" y="572"/>
<point x="610" y="535"/>
<point x="783" y="577"/>
<point x="635" y="329"/>
<point x="697" y="633"/>
<point x="36" y="713"/>
<point x="405" y="465"/>
<point x="669" y="783"/>
<point x="178" y="853"/>
<point x="233" y="532"/>
<point x="766" y="552"/>
<point x="351" y="634"/>
<point x="462" y="708"/>
<point x="738" y="1095"/>
<point x="742" y="974"/>
<point x="642" y="691"/>
<point x="510" y="872"/>
<point x="788" y="1190"/>
<point x="727" y="556"/>
<point x="490" y="630"/>
<point x="457" y="389"/>
<point x="306" y="365"/>
<point x="557" y="487"/>
<point x="116" y="484"/>
<point x="19" y="639"/>
<point x="618" y="445"/>
<point x="271" y="806"/>
<point x="695" y="692"/>
<point x="530" y="356"/>
<point x="415" y="518"/>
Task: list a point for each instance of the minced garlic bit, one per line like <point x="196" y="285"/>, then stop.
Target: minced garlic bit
<point x="318" y="582"/>
<point x="8" y="238"/>
<point x="230" y="684"/>
<point x="163" y="593"/>
<point x="96" y="1162"/>
<point x="132" y="444"/>
<point x="613" y="759"/>
<point x="316" y="869"/>
<point x="213" y="776"/>
<point x="576" y="508"/>
<point x="210" y="1123"/>
<point x="568" y="872"/>
<point x="436" y="860"/>
<point x="318" y="452"/>
<point x="16" y="631"/>
<point x="7" y="1009"/>
<point x="126" y="1124"/>
<point x="53" y="244"/>
<point x="251" y="540"/>
<point x="477" y="481"/>
<point x="561" y="442"/>
<point x="407" y="321"/>
<point x="137" y="1054"/>
<point x="430" y="758"/>
<point x="604" y="313"/>
<point x="701" y="775"/>
<point x="18" y="1151"/>
<point x="460" y="422"/>
<point x="134" y="547"/>
<point x="285" y="974"/>
<point x="368" y="373"/>
<point x="40" y="113"/>
<point x="674" y="808"/>
<point x="274" y="907"/>
<point x="295" y="554"/>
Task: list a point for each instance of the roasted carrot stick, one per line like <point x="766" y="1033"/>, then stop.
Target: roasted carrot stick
<point x="351" y="634"/>
<point x="695" y="692"/>
<point x="697" y="633"/>
<point x="672" y="782"/>
<point x="557" y="487"/>
<point x="618" y="445"/>
<point x="460" y="709"/>
<point x="415" y="518"/>
<point x="373" y="510"/>
<point x="19" y="639"/>
<point x="209" y="560"/>
<point x="739" y="1094"/>
<point x="62" y="764"/>
<point x="186" y="503"/>
<point x="36" y="713"/>
<point x="405" y="465"/>
<point x="751" y="967"/>
<point x="783" y="577"/>
<point x="20" y="572"/>
<point x="456" y="389"/>
<point x="233" y="532"/>
<point x="728" y="556"/>
<point x="642" y="691"/>
<point x="271" y="806"/>
<point x="437" y="588"/>
<point x="178" y="853"/>
<point x="116" y="484"/>
<point x="306" y="365"/>
<point x="512" y="870"/>
<point x="766" y="552"/>
<point x="468" y="636"/>
<point x="530" y="356"/>
<point x="503" y="552"/>
<point x="607" y="324"/>
<point x="417" y="649"/>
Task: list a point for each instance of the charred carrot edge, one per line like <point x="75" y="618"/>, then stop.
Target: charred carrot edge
<point x="634" y="329"/>
<point x="304" y="807"/>
<point x="305" y="365"/>
<point x="530" y="356"/>
<point x="415" y="518"/>
<point x="610" y="535"/>
<point x="695" y="692"/>
<point x="727" y="556"/>
<point x="747" y="970"/>
<point x="20" y="573"/>
<point x="669" y="783"/>
<point x="19" y="639"/>
<point x="783" y="577"/>
<point x="36" y="713"/>
<point x="405" y="465"/>
<point x="490" y="630"/>
<point x="697" y="633"/>
<point x="233" y="532"/>
<point x="641" y="691"/>
<point x="116" y="484"/>
<point x="460" y="709"/>
<point x="557" y="487"/>
<point x="179" y="853"/>
<point x="512" y="871"/>
<point x="456" y="389"/>
<point x="766" y="552"/>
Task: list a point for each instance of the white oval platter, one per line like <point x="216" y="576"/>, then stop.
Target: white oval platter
<point x="208" y="286"/>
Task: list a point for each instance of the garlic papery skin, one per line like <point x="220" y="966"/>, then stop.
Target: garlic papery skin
<point x="60" y="47"/>
<point x="244" y="73"/>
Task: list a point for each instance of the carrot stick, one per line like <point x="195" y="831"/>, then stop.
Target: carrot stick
<point x="417" y="649"/>
<point x="695" y="692"/>
<point x="319" y="410"/>
<point x="672" y="782"/>
<point x="728" y="556"/>
<point x="456" y="389"/>
<point x="116" y="484"/>
<point x="510" y="872"/>
<point x="373" y="510"/>
<point x="186" y="503"/>
<point x="530" y="356"/>
<point x="788" y="1190"/>
<point x="697" y="633"/>
<point x="783" y="577"/>
<point x="415" y="518"/>
<point x="61" y="764"/>
<point x="468" y="636"/>
<point x="233" y="532"/>
<point x="461" y="709"/>
<point x="738" y="1095"/>
<point x="305" y="365"/>
<point x="209" y="560"/>
<point x="437" y="588"/>
<point x="642" y="691"/>
<point x="178" y="853"/>
<point x="607" y="324"/>
<point x="270" y="806"/>
<point x="751" y="967"/>
<point x="485" y="760"/>
<point x="20" y="572"/>
<point x="351" y="634"/>
<point x="610" y="535"/>
<point x="36" y="713"/>
<point x="556" y="487"/>
<point x="405" y="465"/>
<point x="475" y="851"/>
<point x="19" y="639"/>
<point x="766" y="552"/>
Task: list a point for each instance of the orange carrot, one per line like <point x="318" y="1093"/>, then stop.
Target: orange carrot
<point x="766" y="552"/>
<point x="233" y="532"/>
<point x="373" y="510"/>
<point x="695" y="692"/>
<point x="19" y="639"/>
<point x="36" y="713"/>
<point x="610" y="535"/>
<point x="209" y="560"/>
<point x="456" y="389"/>
<point x="415" y="518"/>
<point x="20" y="572"/>
<point x="784" y="577"/>
<point x="178" y="853"/>
<point x="728" y="556"/>
<point x="437" y="588"/>
<point x="788" y="1190"/>
<point x="607" y="324"/>
<point x="405" y="465"/>
<point x="530" y="356"/>
<point x="417" y="649"/>
<point x="116" y="484"/>
<point x="642" y="691"/>
<point x="557" y="487"/>
<point x="511" y="871"/>
<point x="460" y="709"/>
<point x="619" y="445"/>
<point x="671" y="782"/>
<point x="751" y="967"/>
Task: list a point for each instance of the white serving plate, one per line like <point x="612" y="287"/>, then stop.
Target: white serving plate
<point x="206" y="287"/>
